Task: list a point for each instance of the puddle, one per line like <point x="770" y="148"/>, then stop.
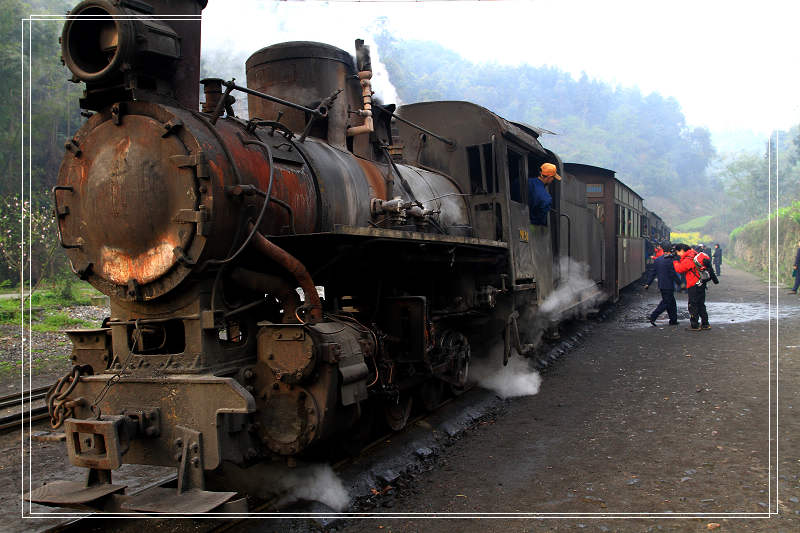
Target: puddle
<point x="721" y="313"/>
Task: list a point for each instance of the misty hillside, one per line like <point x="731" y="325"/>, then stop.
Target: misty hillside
<point x="644" y="138"/>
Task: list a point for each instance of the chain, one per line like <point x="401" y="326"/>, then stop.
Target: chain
<point x="58" y="405"/>
<point x="137" y="333"/>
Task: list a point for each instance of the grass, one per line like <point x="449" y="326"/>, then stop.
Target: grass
<point x="58" y="320"/>
<point x="696" y="224"/>
<point x="46" y="304"/>
<point x="40" y="365"/>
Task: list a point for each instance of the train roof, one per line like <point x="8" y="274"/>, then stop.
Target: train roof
<point x="590" y="168"/>
<point x="598" y="171"/>
<point x="518" y="131"/>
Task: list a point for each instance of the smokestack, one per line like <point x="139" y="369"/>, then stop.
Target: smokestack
<point x="186" y="79"/>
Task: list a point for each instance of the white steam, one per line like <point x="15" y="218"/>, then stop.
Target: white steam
<point x="515" y="379"/>
<point x="381" y="84"/>
<point x="316" y="483"/>
<point x="576" y="291"/>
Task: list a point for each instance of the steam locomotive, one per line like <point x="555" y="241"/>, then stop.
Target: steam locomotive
<point x="277" y="282"/>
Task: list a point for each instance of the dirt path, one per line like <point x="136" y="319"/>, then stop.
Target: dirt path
<point x="636" y="420"/>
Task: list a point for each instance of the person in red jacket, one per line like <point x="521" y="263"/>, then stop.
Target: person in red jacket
<point x="692" y="263"/>
<point x="658" y="251"/>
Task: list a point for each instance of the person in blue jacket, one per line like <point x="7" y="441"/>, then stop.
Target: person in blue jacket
<point x="539" y="200"/>
<point x="796" y="270"/>
<point x="663" y="269"/>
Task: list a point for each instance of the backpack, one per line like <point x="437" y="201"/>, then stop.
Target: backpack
<point x="701" y="271"/>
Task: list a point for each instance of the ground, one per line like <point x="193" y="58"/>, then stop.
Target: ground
<point x="635" y="419"/>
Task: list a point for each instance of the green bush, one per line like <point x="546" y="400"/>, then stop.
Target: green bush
<point x="756" y="244"/>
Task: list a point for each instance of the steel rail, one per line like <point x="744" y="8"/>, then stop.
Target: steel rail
<point x="13" y="400"/>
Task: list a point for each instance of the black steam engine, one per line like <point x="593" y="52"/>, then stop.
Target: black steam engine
<point x="279" y="282"/>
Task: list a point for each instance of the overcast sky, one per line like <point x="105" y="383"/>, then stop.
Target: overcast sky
<point x="731" y="65"/>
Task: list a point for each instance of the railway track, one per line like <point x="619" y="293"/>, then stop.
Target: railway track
<point x="98" y="523"/>
<point x="33" y="398"/>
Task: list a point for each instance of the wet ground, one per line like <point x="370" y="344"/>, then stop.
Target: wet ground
<point x="662" y="422"/>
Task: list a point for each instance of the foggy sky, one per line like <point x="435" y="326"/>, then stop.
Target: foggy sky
<point x="731" y="65"/>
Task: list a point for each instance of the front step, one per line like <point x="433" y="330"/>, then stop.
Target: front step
<point x="164" y="500"/>
<point x="152" y="500"/>
<point x="72" y="493"/>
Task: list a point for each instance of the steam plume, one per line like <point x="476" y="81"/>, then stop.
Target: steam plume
<point x="318" y="483"/>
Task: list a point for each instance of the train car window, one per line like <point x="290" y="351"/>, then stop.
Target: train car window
<point x="625" y="221"/>
<point x="488" y="168"/>
<point x="475" y="171"/>
<point x="515" y="176"/>
<point x="595" y="189"/>
<point x="630" y="222"/>
<point x="618" y="219"/>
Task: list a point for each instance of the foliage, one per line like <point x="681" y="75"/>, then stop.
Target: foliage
<point x="54" y="116"/>
<point x="40" y="239"/>
<point x="54" y="111"/>
<point x="58" y="320"/>
<point x="696" y="224"/>
<point x="758" y="244"/>
<point x="753" y="184"/>
<point x="690" y="237"/>
<point x="644" y="138"/>
<point x="47" y="305"/>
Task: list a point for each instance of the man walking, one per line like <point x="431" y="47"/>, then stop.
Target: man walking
<point x="717" y="257"/>
<point x="697" y="267"/>
<point x="664" y="270"/>
<point x="796" y="270"/>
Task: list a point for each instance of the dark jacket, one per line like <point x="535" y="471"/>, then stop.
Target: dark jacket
<point x="539" y="202"/>
<point x="662" y="269"/>
<point x="797" y="259"/>
<point x="717" y="255"/>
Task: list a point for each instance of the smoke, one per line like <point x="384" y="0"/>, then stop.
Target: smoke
<point x="316" y="483"/>
<point x="381" y="84"/>
<point x="575" y="294"/>
<point x="515" y="379"/>
<point x="576" y="287"/>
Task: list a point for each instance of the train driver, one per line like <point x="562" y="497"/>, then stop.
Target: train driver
<point x="539" y="200"/>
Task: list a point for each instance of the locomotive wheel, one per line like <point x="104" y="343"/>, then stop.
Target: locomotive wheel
<point x="397" y="412"/>
<point x="431" y="393"/>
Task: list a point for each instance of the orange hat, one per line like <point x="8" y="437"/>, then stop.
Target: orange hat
<point x="548" y="170"/>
